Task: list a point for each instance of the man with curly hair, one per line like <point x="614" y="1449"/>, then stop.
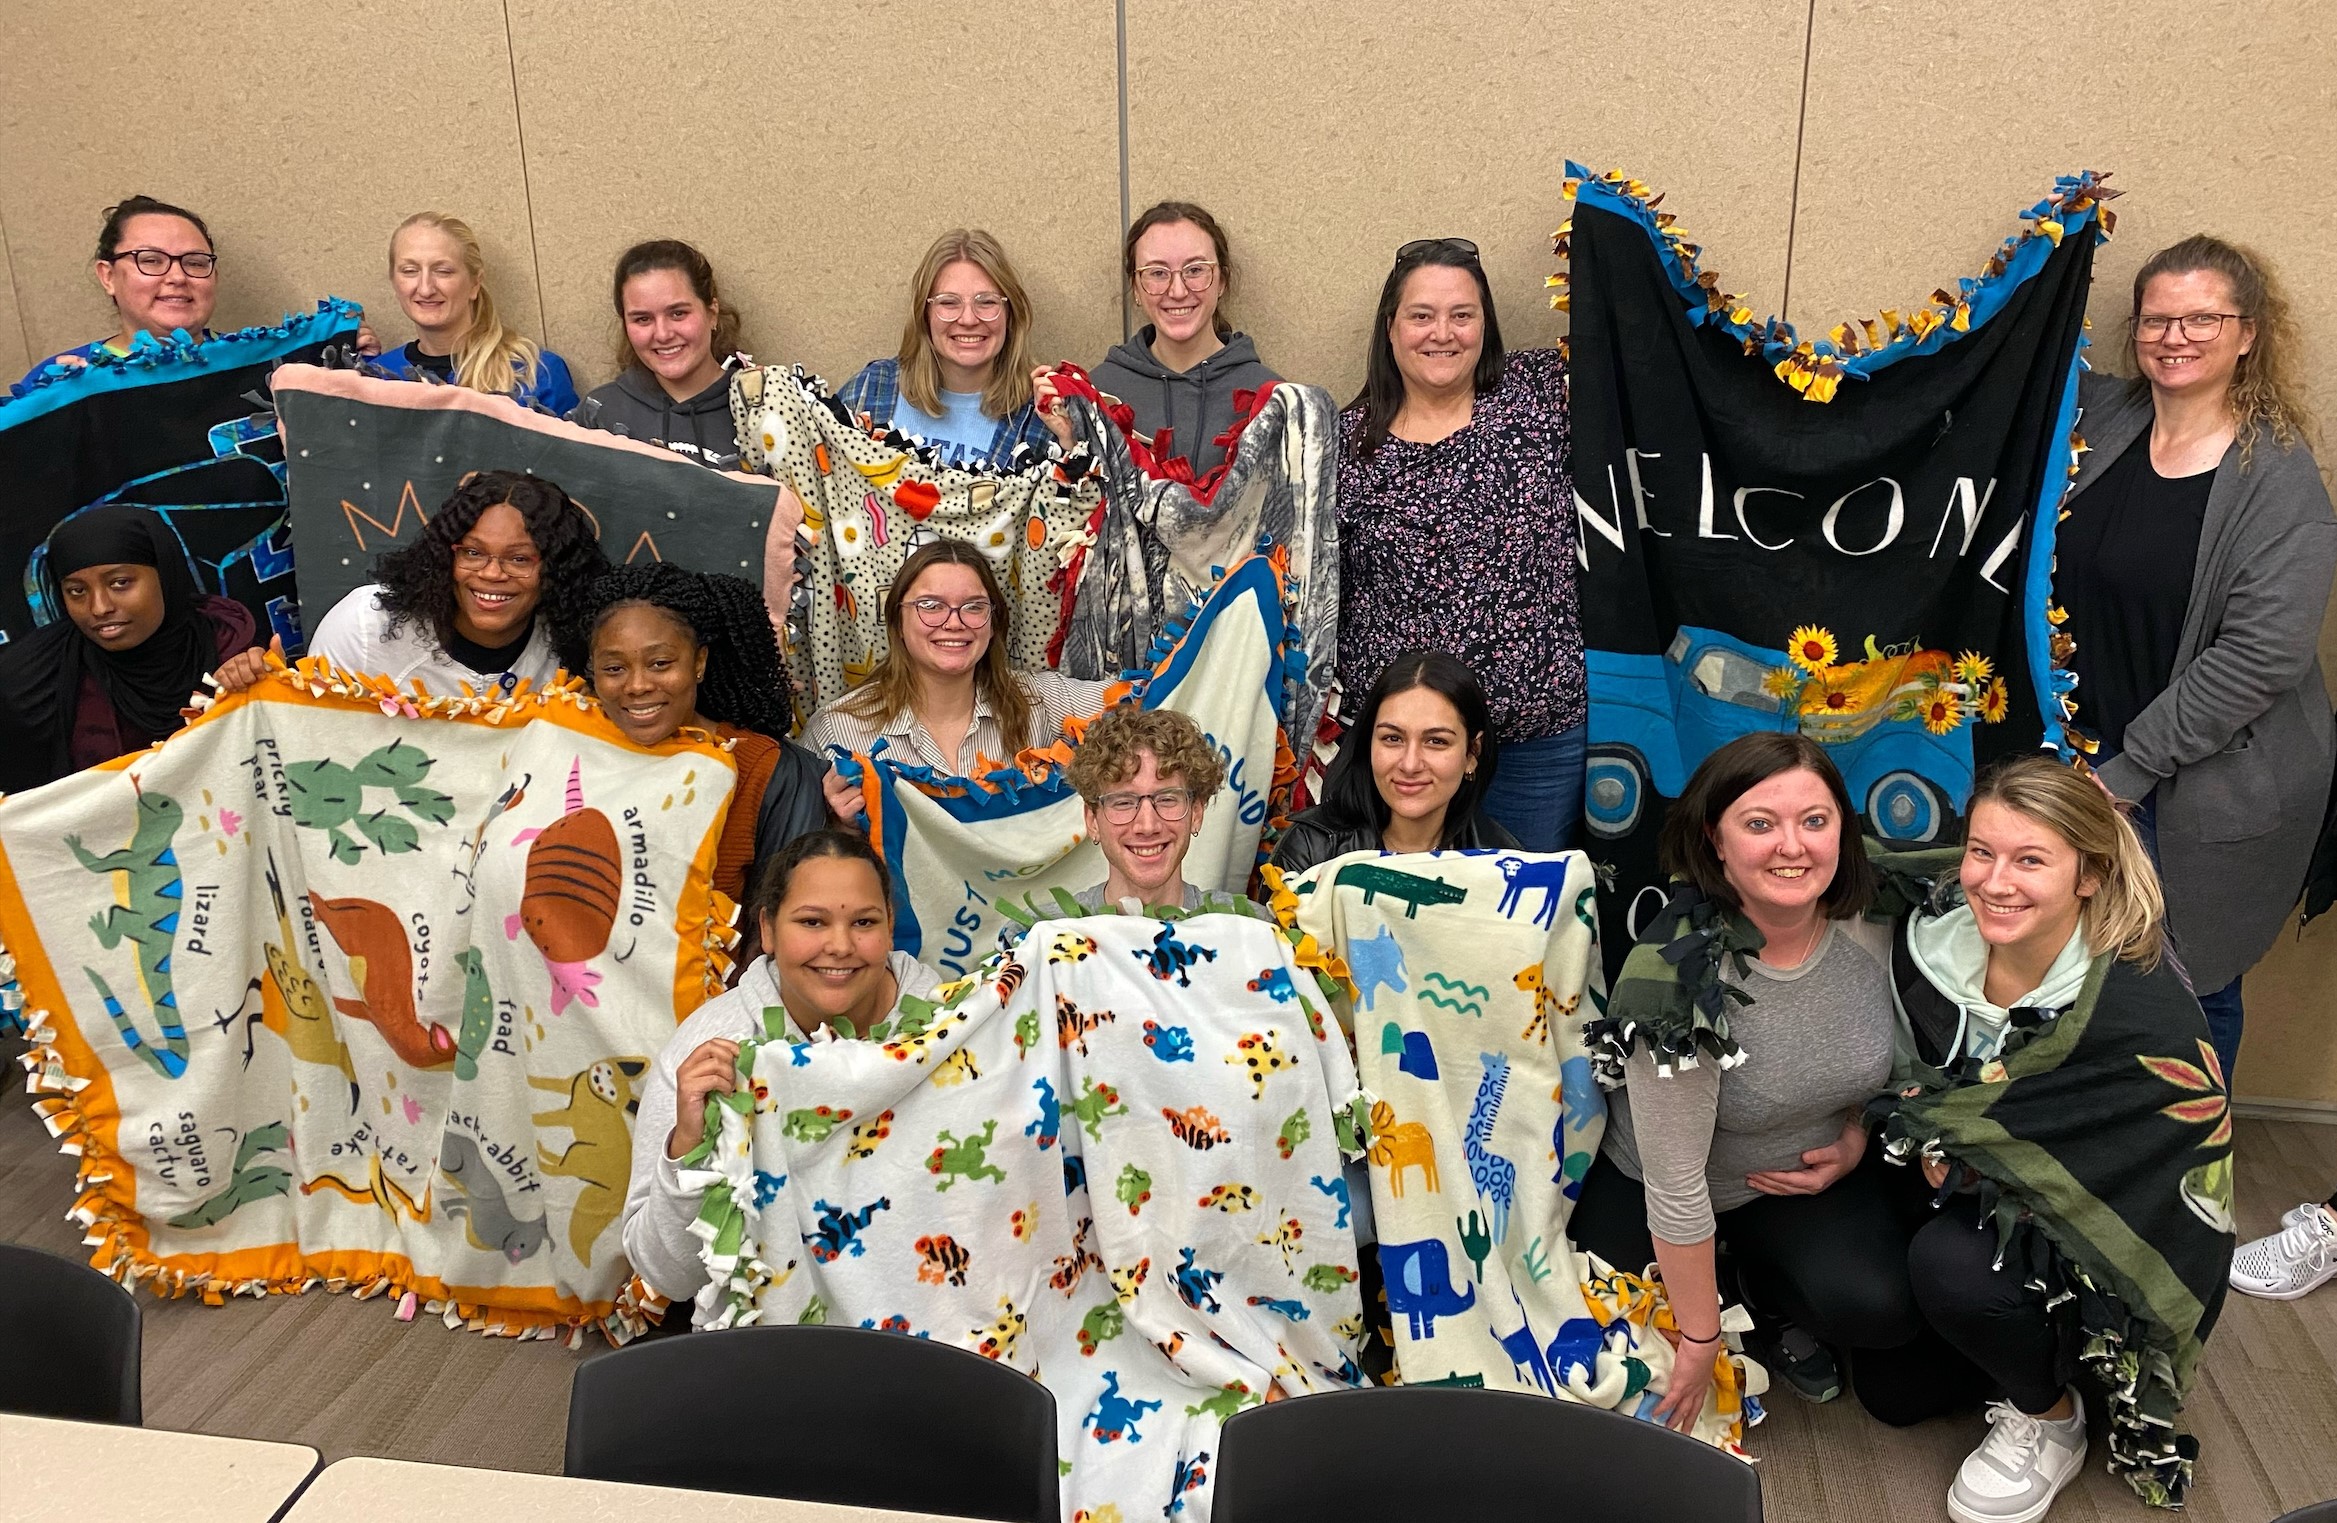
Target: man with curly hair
<point x="1147" y="776"/>
<point x="481" y="596"/>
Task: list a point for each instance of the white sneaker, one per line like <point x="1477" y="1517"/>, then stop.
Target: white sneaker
<point x="2019" y="1468"/>
<point x="2298" y="1258"/>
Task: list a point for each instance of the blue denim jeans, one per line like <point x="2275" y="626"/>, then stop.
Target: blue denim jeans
<point x="1537" y="789"/>
<point x="2221" y="1006"/>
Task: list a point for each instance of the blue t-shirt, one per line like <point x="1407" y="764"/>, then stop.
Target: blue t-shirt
<point x="94" y="349"/>
<point x="550" y="387"/>
<point x="960" y="432"/>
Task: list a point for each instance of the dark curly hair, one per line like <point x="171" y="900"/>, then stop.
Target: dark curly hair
<point x="744" y="683"/>
<point x="417" y="579"/>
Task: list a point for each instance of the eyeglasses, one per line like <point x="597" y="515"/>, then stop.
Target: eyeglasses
<point x="2198" y="327"/>
<point x="1169" y="804"/>
<point x="519" y="564"/>
<point x="988" y="307"/>
<point x="156" y="262"/>
<point x="933" y="613"/>
<point x="1419" y="247"/>
<point x="1198" y="275"/>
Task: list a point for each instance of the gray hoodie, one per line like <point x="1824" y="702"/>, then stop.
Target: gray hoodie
<point x="1196" y="405"/>
<point x="635" y="406"/>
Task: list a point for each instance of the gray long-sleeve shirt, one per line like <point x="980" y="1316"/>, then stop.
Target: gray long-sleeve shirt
<point x="1817" y="1041"/>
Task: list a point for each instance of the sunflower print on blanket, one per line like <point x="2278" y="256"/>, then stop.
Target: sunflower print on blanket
<point x="1146" y="1238"/>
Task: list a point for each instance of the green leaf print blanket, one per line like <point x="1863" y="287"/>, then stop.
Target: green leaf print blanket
<point x="1468" y="979"/>
<point x="342" y="987"/>
<point x="1110" y="1158"/>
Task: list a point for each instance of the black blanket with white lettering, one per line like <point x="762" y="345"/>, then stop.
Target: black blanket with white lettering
<point x="1851" y="537"/>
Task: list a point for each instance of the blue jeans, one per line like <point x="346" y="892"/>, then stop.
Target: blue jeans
<point x="2221" y="1006"/>
<point x="1537" y="789"/>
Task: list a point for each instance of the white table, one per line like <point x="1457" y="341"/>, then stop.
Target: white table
<point x="67" y="1472"/>
<point x="395" y="1491"/>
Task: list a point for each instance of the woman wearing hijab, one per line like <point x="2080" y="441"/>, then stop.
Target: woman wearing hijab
<point x="133" y="644"/>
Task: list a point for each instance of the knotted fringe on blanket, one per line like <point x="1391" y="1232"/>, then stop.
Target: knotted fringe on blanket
<point x="870" y="497"/>
<point x="959" y="847"/>
<point x="373" y="981"/>
<point x="1110" y="1158"/>
<point x="1465" y="975"/>
<point x="1161" y="539"/>
<point x="2101" y="1137"/>
<point x="180" y="425"/>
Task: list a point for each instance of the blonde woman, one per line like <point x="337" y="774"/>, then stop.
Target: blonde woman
<point x="440" y="276"/>
<point x="2195" y="564"/>
<point x="2056" y="1084"/>
<point x="962" y="381"/>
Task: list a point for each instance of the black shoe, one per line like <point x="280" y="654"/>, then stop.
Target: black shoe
<point x="1798" y="1359"/>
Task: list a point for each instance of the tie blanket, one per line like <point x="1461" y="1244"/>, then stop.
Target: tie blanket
<point x="1110" y="1158"/>
<point x="957" y="846"/>
<point x="1161" y="538"/>
<point x="1465" y="977"/>
<point x="1875" y="573"/>
<point x="180" y="426"/>
<point x="872" y="497"/>
<point x="373" y="459"/>
<point x="367" y="992"/>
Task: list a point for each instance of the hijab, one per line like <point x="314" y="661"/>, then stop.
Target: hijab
<point x="41" y="674"/>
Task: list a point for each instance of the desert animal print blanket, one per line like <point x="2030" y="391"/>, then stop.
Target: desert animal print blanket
<point x="1110" y="1158"/>
<point x="338" y="987"/>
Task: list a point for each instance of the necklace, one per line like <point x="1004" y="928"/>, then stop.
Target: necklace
<point x="1809" y="945"/>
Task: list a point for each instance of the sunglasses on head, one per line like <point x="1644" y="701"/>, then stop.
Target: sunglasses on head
<point x="1420" y="248"/>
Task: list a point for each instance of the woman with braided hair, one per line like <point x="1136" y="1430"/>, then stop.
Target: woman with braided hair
<point x="671" y="647"/>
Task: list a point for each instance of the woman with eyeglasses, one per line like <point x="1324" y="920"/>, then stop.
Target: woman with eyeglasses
<point x="1456" y="526"/>
<point x="440" y="274"/>
<point x="484" y="597"/>
<point x="943" y="695"/>
<point x="1181" y="371"/>
<point x="962" y="381"/>
<point x="2195" y="566"/>
<point x="157" y="266"/>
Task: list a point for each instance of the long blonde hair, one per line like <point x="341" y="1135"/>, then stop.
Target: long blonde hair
<point x="2126" y="913"/>
<point x="1009" y="386"/>
<point x="892" y="687"/>
<point x="2266" y="391"/>
<point x="490" y="357"/>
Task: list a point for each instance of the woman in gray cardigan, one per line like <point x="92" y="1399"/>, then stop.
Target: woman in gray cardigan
<point x="2195" y="564"/>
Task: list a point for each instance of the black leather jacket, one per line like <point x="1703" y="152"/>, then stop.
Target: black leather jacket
<point x="1318" y="836"/>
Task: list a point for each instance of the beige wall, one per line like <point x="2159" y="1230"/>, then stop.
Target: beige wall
<point x="813" y="150"/>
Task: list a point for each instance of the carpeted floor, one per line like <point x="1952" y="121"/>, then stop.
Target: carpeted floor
<point x="347" y="1378"/>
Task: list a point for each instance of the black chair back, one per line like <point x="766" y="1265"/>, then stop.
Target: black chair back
<point x="820" y="1414"/>
<point x="71" y="1340"/>
<point x="1396" y="1454"/>
<point x="2318" y="1512"/>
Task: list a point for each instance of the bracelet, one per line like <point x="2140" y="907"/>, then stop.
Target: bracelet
<point x="1715" y="1338"/>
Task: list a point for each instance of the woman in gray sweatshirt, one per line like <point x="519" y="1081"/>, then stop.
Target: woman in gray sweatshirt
<point x="676" y="355"/>
<point x="1184" y="370"/>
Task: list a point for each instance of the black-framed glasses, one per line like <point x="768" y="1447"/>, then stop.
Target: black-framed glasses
<point x="987" y="307"/>
<point x="1421" y="247"/>
<point x="935" y="613"/>
<point x="199" y="266"/>
<point x="2198" y="327"/>
<point x="1170" y="804"/>
<point x="1197" y="274"/>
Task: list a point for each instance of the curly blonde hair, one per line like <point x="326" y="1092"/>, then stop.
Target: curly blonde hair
<point x="2266" y="392"/>
<point x="1117" y="739"/>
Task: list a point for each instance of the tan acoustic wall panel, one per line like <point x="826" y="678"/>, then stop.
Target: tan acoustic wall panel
<point x="813" y="152"/>
<point x="1931" y="125"/>
<point x="301" y="130"/>
<point x="1323" y="137"/>
<point x="15" y="353"/>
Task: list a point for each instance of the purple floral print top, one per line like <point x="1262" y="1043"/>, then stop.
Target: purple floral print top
<point x="1467" y="546"/>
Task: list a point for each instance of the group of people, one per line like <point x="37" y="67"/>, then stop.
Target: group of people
<point x="2195" y="564"/>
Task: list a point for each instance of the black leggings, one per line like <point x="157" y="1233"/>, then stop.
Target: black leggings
<point x="1868" y="1267"/>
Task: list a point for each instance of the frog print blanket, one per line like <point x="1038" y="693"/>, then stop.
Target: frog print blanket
<point x="870" y="497"/>
<point x="1110" y="1158"/>
<point x="1468" y="978"/>
<point x="339" y="987"/>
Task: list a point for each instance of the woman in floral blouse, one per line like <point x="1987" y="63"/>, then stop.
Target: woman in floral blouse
<point x="1456" y="526"/>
